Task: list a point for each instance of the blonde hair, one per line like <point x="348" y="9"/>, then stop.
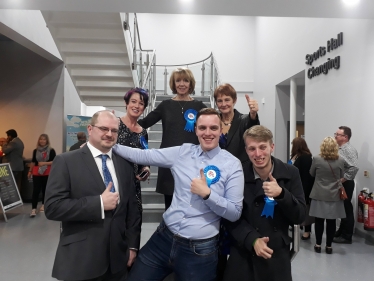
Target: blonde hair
<point x="259" y="133"/>
<point x="329" y="149"/>
<point x="183" y="73"/>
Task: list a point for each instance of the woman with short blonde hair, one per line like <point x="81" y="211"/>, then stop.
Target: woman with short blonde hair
<point x="328" y="169"/>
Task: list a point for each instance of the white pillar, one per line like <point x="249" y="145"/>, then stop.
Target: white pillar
<point x="293" y="95"/>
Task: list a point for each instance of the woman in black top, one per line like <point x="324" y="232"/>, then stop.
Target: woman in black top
<point x="234" y="123"/>
<point x="301" y="157"/>
<point x="42" y="158"/>
<point x="131" y="134"/>
<point x="176" y="130"/>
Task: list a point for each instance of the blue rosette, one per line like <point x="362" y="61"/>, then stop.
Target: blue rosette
<point x="190" y="116"/>
<point x="143" y="142"/>
<point x="268" y="210"/>
<point x="289" y="162"/>
<point x="212" y="174"/>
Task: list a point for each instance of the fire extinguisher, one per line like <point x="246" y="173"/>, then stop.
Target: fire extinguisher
<point x="360" y="204"/>
<point x="369" y="213"/>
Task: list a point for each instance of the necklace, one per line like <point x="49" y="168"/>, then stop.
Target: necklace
<point x="227" y="124"/>
<point x="183" y="104"/>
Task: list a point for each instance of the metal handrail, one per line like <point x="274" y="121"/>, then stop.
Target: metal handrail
<point x="185" y="64"/>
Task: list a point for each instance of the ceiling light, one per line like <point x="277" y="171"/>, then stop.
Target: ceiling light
<point x="351" y="2"/>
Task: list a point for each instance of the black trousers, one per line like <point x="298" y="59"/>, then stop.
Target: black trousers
<point x="39" y="183"/>
<point x="330" y="230"/>
<point x="347" y="224"/>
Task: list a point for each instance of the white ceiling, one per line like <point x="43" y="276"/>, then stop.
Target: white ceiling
<point x="269" y="8"/>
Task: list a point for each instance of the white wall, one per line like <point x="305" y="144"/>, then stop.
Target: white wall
<point x="31" y="96"/>
<point x="30" y="25"/>
<point x="182" y="39"/>
<point x="342" y="97"/>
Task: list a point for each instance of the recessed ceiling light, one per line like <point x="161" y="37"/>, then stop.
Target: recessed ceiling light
<point x="351" y="2"/>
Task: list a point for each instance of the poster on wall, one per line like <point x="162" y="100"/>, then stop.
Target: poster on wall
<point x="9" y="194"/>
<point x="75" y="124"/>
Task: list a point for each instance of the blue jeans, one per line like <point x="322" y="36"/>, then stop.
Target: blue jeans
<point x="165" y="252"/>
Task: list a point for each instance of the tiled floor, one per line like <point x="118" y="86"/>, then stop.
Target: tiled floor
<point x="27" y="250"/>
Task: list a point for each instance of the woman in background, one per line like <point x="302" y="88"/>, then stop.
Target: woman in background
<point x="42" y="158"/>
<point x="328" y="169"/>
<point x="301" y="157"/>
<point x="178" y="123"/>
<point x="131" y="134"/>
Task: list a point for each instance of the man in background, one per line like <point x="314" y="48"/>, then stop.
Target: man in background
<point x="91" y="191"/>
<point x="342" y="136"/>
<point x="13" y="154"/>
<point x="81" y="136"/>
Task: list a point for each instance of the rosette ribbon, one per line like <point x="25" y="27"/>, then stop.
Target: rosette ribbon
<point x="190" y="116"/>
<point x="212" y="174"/>
<point x="143" y="142"/>
<point x="268" y="210"/>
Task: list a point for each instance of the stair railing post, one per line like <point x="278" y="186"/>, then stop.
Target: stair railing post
<point x="141" y="68"/>
<point x="211" y="76"/>
<point x="134" y="48"/>
<point x="165" y="81"/>
<point x="154" y="80"/>
<point x="126" y="23"/>
<point x="202" y="79"/>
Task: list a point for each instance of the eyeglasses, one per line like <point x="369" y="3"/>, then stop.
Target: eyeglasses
<point x="106" y="130"/>
<point x="335" y="134"/>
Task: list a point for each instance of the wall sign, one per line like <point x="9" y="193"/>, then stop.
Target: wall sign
<point x="324" y="68"/>
<point x="9" y="195"/>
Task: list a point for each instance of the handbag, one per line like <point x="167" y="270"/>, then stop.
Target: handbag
<point x="342" y="193"/>
<point x="35" y="171"/>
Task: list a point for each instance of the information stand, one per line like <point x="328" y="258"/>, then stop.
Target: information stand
<point x="9" y="194"/>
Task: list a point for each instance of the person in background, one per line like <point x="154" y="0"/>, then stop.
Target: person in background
<point x="234" y="124"/>
<point x="328" y="169"/>
<point x="2" y="141"/>
<point x="82" y="138"/>
<point x="301" y="158"/>
<point x="342" y="136"/>
<point x="42" y="158"/>
<point x="178" y="117"/>
<point x="208" y="185"/>
<point x="91" y="192"/>
<point x="13" y="154"/>
<point x="131" y="134"/>
<point x="273" y="199"/>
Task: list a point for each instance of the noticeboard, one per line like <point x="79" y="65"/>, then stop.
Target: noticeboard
<point x="9" y="194"/>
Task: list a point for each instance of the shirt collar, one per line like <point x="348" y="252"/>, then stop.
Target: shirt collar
<point x="95" y="152"/>
<point x="344" y="145"/>
<point x="257" y="176"/>
<point x="210" y="153"/>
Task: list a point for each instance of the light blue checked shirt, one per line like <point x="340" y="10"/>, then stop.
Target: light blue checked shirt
<point x="189" y="215"/>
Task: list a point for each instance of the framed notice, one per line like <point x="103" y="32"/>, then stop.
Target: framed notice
<point x="9" y="194"/>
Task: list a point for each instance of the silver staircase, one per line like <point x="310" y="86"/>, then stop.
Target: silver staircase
<point x="103" y="54"/>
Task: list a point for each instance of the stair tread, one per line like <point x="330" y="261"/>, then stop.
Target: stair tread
<point x="153" y="206"/>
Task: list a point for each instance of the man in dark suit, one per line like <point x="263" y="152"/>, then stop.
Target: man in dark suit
<point x="13" y="154"/>
<point x="81" y="136"/>
<point x="273" y="200"/>
<point x="91" y="191"/>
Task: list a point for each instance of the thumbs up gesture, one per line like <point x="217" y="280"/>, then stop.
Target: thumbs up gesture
<point x="252" y="104"/>
<point x="271" y="188"/>
<point x="199" y="186"/>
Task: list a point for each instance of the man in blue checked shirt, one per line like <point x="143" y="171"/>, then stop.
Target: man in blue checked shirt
<point x="208" y="185"/>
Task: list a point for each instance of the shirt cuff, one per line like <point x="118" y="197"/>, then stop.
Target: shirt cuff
<point x="102" y="208"/>
<point x="134" y="249"/>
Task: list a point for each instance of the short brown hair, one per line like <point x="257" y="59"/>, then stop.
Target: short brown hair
<point x="208" y="111"/>
<point x="183" y="73"/>
<point x="347" y="131"/>
<point x="97" y="114"/>
<point x="329" y="149"/>
<point x="225" y="89"/>
<point x="259" y="133"/>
